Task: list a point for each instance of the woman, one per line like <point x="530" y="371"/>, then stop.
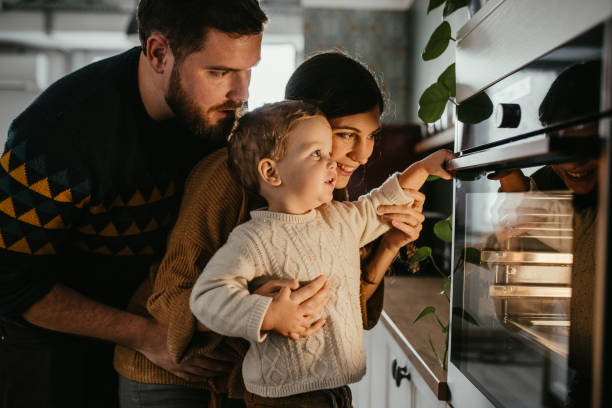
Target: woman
<point x="213" y="204"/>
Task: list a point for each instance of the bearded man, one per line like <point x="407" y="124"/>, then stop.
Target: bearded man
<point x="92" y="176"/>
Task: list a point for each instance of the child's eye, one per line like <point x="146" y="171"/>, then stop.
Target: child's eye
<point x="316" y="153"/>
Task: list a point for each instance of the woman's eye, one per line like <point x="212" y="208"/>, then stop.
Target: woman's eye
<point x="374" y="135"/>
<point x="316" y="153"/>
<point x="346" y="135"/>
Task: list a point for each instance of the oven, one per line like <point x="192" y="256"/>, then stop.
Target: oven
<point x="530" y="232"/>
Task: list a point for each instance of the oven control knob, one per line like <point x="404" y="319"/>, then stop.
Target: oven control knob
<point x="507" y="115"/>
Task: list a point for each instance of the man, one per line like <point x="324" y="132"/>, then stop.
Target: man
<point x="92" y="175"/>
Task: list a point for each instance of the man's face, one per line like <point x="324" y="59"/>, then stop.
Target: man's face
<point x="207" y="86"/>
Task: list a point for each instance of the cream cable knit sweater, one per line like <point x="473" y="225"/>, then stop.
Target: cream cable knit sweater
<point x="278" y="246"/>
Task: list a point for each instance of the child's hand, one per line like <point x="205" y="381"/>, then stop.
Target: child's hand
<point x="434" y="163"/>
<point x="292" y="314"/>
<point x="416" y="175"/>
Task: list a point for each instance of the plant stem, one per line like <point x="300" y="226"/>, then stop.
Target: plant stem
<point x="439" y="321"/>
<point x="436" y="267"/>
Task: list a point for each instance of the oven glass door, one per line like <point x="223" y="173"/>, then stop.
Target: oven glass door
<point x="524" y="255"/>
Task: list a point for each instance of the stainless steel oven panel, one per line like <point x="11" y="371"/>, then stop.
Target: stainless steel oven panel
<point x="533" y="151"/>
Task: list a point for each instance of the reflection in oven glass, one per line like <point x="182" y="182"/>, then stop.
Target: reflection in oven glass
<point x="519" y="288"/>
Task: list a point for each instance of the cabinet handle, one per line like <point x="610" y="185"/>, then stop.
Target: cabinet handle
<point x="399" y="373"/>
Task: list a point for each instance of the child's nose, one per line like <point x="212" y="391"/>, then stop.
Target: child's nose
<point x="331" y="164"/>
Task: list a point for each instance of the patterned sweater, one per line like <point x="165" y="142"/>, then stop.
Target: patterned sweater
<point x="89" y="187"/>
<point x="275" y="245"/>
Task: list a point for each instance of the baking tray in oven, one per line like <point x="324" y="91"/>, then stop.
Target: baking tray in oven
<point x="524" y="257"/>
<point x="529" y="291"/>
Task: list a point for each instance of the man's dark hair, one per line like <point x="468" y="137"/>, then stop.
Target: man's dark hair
<point x="338" y="84"/>
<point x="575" y="92"/>
<point x="185" y="23"/>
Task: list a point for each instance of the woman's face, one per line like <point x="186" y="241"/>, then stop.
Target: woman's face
<point x="353" y="142"/>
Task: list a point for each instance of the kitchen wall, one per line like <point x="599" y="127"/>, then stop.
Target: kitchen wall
<point x="379" y="38"/>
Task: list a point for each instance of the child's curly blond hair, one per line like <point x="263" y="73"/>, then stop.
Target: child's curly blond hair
<point x="263" y="133"/>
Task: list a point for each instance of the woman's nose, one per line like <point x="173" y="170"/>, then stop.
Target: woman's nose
<point x="360" y="153"/>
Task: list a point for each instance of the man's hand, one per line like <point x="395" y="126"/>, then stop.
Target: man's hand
<point x="292" y="313"/>
<point x="196" y="369"/>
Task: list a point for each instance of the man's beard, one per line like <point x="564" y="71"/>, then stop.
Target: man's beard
<point x="195" y="119"/>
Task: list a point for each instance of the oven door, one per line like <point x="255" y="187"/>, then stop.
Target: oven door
<point x="524" y="275"/>
<point x="530" y="199"/>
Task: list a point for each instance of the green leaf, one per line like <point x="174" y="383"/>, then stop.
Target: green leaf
<point x="445" y="329"/>
<point x="432" y="102"/>
<point x="434" y="4"/>
<point x="444" y="230"/>
<point x="453" y="5"/>
<point x="432" y="177"/>
<point x="465" y="315"/>
<point x="420" y="255"/>
<point x="427" y="311"/>
<point x="448" y="79"/>
<point x="472" y="255"/>
<point x="476" y="109"/>
<point x="438" y="42"/>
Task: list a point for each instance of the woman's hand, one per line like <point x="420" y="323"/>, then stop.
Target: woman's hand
<point x="406" y="221"/>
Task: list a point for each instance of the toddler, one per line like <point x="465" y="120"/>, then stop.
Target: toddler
<point x="282" y="151"/>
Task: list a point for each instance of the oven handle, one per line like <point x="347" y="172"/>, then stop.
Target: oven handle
<point x="535" y="151"/>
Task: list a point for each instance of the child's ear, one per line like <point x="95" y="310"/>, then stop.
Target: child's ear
<point x="268" y="172"/>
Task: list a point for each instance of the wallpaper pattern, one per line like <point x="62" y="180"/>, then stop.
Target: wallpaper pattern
<point x="378" y="38"/>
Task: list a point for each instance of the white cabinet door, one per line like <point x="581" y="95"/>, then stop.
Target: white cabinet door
<point x="379" y="389"/>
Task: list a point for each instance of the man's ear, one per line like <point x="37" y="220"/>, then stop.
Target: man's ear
<point x="268" y="172"/>
<point x="159" y="53"/>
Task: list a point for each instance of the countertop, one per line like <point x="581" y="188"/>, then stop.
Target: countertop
<point x="405" y="297"/>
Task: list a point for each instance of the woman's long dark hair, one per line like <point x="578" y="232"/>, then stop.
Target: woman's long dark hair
<point x="338" y="84"/>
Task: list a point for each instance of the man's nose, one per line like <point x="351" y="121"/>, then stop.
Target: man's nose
<point x="239" y="91"/>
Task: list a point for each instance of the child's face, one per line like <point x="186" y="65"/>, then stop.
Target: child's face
<point x="307" y="173"/>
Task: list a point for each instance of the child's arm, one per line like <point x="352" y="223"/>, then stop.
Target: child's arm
<point x="415" y="176"/>
<point x="221" y="301"/>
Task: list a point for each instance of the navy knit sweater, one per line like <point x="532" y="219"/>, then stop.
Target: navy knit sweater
<point x="89" y="188"/>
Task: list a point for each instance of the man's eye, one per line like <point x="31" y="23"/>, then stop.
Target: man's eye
<point x="316" y="153"/>
<point x="218" y="73"/>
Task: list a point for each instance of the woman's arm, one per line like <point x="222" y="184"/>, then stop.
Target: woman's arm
<point x="407" y="224"/>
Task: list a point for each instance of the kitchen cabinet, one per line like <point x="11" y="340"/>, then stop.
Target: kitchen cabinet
<point x="391" y="381"/>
